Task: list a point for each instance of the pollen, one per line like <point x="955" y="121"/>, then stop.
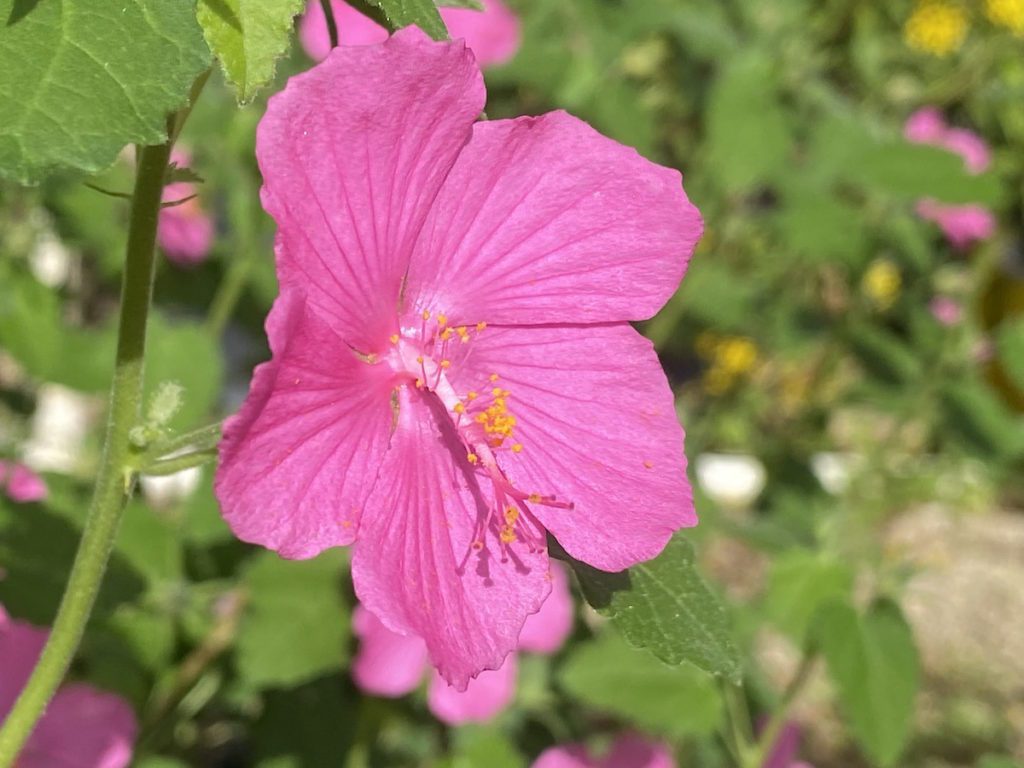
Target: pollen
<point x="419" y="359"/>
<point x="419" y="383"/>
<point x="446" y="364"/>
<point x="394" y="338"/>
<point x="480" y="326"/>
<point x="496" y="391"/>
<point x="493" y="377"/>
<point x="511" y="515"/>
<point x="472" y="395"/>
<point x="426" y="314"/>
<point x="462" y="333"/>
<point x="517" y="447"/>
<point x="472" y="458"/>
<point x="442" y="320"/>
<point x="507" y="535"/>
<point x="459" y="408"/>
<point x="534" y="498"/>
<point x="446" y="334"/>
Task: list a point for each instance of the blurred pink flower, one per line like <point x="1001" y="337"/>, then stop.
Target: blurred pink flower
<point x="492" y="35"/>
<point x="20" y="483"/>
<point x="392" y="665"/>
<point x="629" y="751"/>
<point x="945" y="310"/>
<point x="391" y="415"/>
<point x="83" y="727"/>
<point x="784" y="751"/>
<point x="962" y="224"/>
<point x="185" y="231"/>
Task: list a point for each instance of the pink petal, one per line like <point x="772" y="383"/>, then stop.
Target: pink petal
<point x="352" y="154"/>
<point x="946" y="311"/>
<point x="298" y="461"/>
<point x="387" y="664"/>
<point x="628" y="751"/>
<point x="546" y="630"/>
<point x="185" y="232"/>
<point x="970" y="146"/>
<point x="354" y="28"/>
<point x="492" y="35"/>
<point x="925" y="126"/>
<point x="82" y="728"/>
<point x="414" y="564"/>
<point x="484" y="698"/>
<point x="24" y="485"/>
<point x="543" y="220"/>
<point x="597" y="422"/>
<point x="962" y="225"/>
<point x="20" y="646"/>
<point x="785" y="748"/>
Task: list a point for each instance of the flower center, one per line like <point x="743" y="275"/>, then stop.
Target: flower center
<point x="484" y="420"/>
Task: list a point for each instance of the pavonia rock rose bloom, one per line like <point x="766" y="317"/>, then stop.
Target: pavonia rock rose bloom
<point x="453" y="372"/>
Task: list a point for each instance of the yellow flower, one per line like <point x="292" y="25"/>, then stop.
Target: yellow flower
<point x="730" y="358"/>
<point x="1007" y="13"/>
<point x="736" y="355"/>
<point x="881" y="283"/>
<point x="937" y="27"/>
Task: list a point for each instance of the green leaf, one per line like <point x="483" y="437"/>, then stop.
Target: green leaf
<point x="874" y="663"/>
<point x="747" y="136"/>
<point x="883" y="353"/>
<point x="822" y="227"/>
<point x="610" y="677"/>
<point x="83" y="78"/>
<point x="307" y="727"/>
<point x="998" y="761"/>
<point x="663" y="605"/>
<point x="981" y="419"/>
<point x="485" y="745"/>
<point x="474" y="5"/>
<point x="913" y="171"/>
<point x="1010" y="344"/>
<point x="800" y="583"/>
<point x="296" y="625"/>
<point x="248" y="36"/>
<point x="422" y="13"/>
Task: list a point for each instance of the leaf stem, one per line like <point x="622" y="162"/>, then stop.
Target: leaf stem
<point x="332" y="26"/>
<point x="202" y="439"/>
<point x="114" y="480"/>
<point x="178" y="463"/>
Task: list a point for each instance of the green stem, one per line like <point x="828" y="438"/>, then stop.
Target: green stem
<point x="114" y="481"/>
<point x="778" y="718"/>
<point x="202" y="439"/>
<point x="228" y="293"/>
<point x="332" y="26"/>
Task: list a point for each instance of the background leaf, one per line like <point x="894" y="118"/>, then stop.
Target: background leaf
<point x="663" y="605"/>
<point x="248" y="36"/>
<point x="83" y="78"/>
<point x="422" y="13"/>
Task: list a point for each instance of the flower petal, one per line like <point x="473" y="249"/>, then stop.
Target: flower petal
<point x="298" y="461"/>
<point x="20" y="646"/>
<point x="387" y="664"/>
<point x="597" y="423"/>
<point x="414" y="564"/>
<point x="492" y="35"/>
<point x="544" y="220"/>
<point x="628" y="751"/>
<point x="484" y="698"/>
<point x="83" y="728"/>
<point x="352" y="154"/>
<point x="23" y="485"/>
<point x="354" y="28"/>
<point x="547" y="629"/>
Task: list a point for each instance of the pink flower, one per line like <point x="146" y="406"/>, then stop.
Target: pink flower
<point x="962" y="224"/>
<point x="392" y="665"/>
<point x="83" y="727"/>
<point x="185" y="231"/>
<point x="946" y="310"/>
<point x="453" y="372"/>
<point x="20" y="483"/>
<point x="628" y="751"/>
<point x="492" y="35"/>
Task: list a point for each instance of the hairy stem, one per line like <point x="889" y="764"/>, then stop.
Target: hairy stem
<point x="114" y="480"/>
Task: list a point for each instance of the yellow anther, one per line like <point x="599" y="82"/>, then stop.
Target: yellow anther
<point x="496" y="391"/>
<point x="459" y="408"/>
<point x="517" y="447"/>
<point x="426" y="315"/>
<point x="419" y="383"/>
<point x="480" y="418"/>
<point x="534" y="498"/>
<point x="505" y="393"/>
<point x="481" y="325"/>
<point x="511" y="515"/>
<point x="507" y="535"/>
<point x="394" y="338"/>
<point x="446" y="364"/>
<point x="472" y="395"/>
<point x="472" y="458"/>
<point x="419" y="359"/>
<point x="442" y="320"/>
<point x="493" y="377"/>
